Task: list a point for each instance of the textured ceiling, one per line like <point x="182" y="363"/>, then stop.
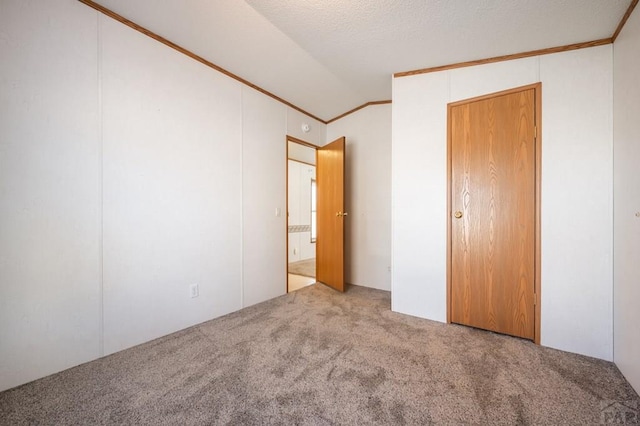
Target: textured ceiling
<point x="328" y="56"/>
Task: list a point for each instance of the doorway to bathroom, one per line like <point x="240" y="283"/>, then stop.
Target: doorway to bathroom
<point x="301" y="215"/>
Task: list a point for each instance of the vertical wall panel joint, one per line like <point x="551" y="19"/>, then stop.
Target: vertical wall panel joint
<point x="101" y="179"/>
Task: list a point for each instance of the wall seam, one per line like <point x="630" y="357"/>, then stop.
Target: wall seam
<point x="392" y="199"/>
<point x="391" y="196"/>
<point x="101" y="179"/>
<point x="241" y="197"/>
<point x="613" y="204"/>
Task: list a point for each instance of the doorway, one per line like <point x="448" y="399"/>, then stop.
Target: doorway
<point x="494" y="212"/>
<point x="301" y="214"/>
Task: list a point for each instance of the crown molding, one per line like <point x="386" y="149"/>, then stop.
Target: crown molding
<point x="538" y="52"/>
<point x="351" y="111"/>
<point x="624" y="20"/>
<point x="108" y="12"/>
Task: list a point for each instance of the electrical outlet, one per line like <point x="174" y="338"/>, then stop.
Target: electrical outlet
<point x="193" y="290"/>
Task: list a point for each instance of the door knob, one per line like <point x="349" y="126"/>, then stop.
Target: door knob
<point x="345" y="214"/>
<point x="458" y="214"/>
<point x="338" y="214"/>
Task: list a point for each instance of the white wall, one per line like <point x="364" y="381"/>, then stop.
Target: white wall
<point x="577" y="201"/>
<point x="367" y="194"/>
<point x="627" y="201"/>
<point x="317" y="131"/>
<point x="576" y="190"/>
<point x="172" y="189"/>
<point x="299" y="191"/>
<point x="264" y="195"/>
<point x="129" y="172"/>
<point x="50" y="303"/>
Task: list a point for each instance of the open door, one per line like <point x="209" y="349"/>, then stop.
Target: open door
<point x="331" y="214"/>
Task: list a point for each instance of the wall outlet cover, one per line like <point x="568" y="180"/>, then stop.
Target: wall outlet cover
<point x="193" y="290"/>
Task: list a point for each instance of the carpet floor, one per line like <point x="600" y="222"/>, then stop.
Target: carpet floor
<point x="305" y="267"/>
<point x="318" y="357"/>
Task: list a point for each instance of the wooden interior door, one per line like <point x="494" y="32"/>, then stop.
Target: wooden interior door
<point x="493" y="194"/>
<point x="331" y="214"/>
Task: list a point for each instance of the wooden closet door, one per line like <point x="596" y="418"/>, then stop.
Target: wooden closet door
<point x="493" y="208"/>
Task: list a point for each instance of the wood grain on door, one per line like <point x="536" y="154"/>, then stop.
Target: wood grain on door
<point x="493" y="208"/>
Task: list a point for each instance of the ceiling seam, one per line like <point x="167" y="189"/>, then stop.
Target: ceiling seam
<point x="624" y="20"/>
<point x="186" y="52"/>
<point x="358" y="108"/>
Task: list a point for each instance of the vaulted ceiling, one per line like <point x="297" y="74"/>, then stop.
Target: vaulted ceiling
<point x="329" y="56"/>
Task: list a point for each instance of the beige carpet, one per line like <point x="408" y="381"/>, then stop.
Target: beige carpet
<point x="318" y="357"/>
<point x="305" y="267"/>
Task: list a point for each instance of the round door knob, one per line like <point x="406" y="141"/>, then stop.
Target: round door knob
<point x="458" y="214"/>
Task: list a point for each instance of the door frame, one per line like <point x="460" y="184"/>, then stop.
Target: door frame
<point x="537" y="87"/>
<point x="286" y="212"/>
